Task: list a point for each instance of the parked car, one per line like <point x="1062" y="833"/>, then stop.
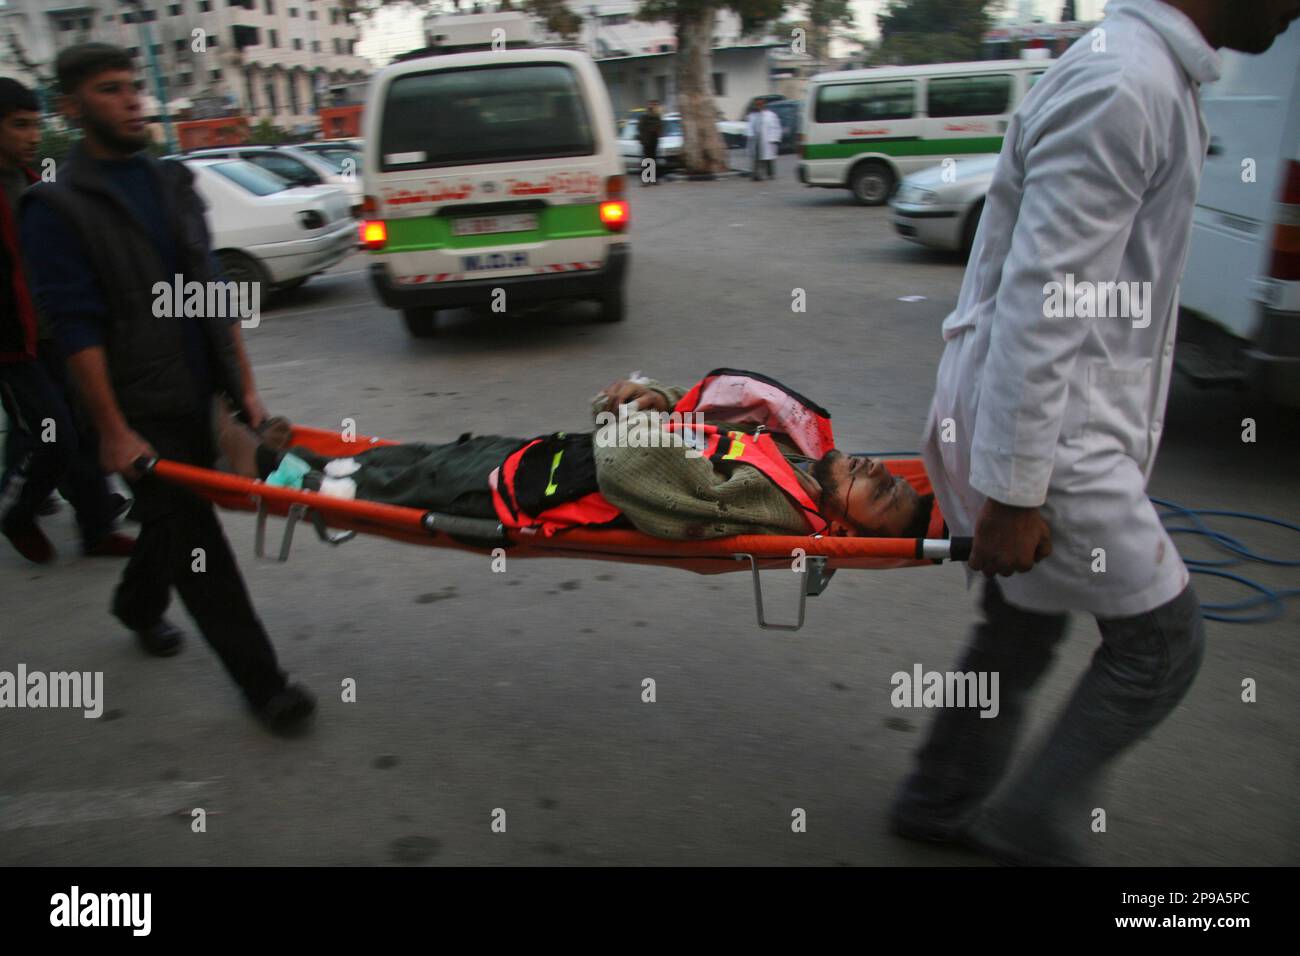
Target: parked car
<point x="670" y="143"/>
<point x="299" y="166"/>
<point x="336" y="152"/>
<point x="268" y="230"/>
<point x="940" y="206"/>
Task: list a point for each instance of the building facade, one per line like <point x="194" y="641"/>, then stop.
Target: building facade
<point x="269" y="59"/>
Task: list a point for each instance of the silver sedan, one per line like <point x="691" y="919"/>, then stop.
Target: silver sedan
<point x="940" y="206"/>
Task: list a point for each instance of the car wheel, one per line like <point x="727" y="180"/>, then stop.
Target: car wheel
<point x="420" y="322"/>
<point x="872" y="183"/>
<point x="969" y="229"/>
<point x="613" y="305"/>
<point x="238" y="267"/>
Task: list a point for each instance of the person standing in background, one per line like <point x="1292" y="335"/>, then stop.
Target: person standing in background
<point x="764" y="139"/>
<point x="649" y="129"/>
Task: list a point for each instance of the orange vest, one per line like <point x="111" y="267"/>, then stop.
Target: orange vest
<point x="550" y="482"/>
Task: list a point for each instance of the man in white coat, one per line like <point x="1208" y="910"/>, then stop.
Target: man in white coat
<point x="1047" y="413"/>
<point x="764" y="139"/>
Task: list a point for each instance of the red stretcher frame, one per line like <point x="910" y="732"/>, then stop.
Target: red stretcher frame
<point x="337" y="520"/>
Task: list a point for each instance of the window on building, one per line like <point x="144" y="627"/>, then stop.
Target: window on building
<point x="273" y="38"/>
<point x="311" y="14"/>
<point x="269" y="6"/>
<point x="173" y="9"/>
<point x="297" y="43"/>
<point x="85" y="23"/>
<point x="271" y="103"/>
<point x="205" y="6"/>
<point x="969" y="95"/>
<point x="186" y="79"/>
<point x="719" y="84"/>
<point x="180" y="45"/>
<point x="214" y="74"/>
<point x="293" y="11"/>
<point x="338" y="47"/>
<point x="293" y="95"/>
<point x="133" y="51"/>
<point x="315" y="46"/>
<point x="864" y="102"/>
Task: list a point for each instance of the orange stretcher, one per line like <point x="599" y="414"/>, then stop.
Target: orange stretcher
<point x="337" y="520"/>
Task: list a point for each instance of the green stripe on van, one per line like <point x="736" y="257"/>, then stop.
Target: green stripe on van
<point x="581" y="220"/>
<point x="913" y="147"/>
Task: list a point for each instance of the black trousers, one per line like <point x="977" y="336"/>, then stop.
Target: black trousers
<point x="36" y="401"/>
<point x="181" y="545"/>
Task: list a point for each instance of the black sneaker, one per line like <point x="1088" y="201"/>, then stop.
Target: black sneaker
<point x="50" y="506"/>
<point x="164" y="639"/>
<point x="288" y="712"/>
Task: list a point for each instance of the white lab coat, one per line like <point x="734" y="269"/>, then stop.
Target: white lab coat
<point x="764" y="129"/>
<point x="1097" y="179"/>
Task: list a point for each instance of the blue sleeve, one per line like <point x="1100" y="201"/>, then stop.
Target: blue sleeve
<point x="62" y="280"/>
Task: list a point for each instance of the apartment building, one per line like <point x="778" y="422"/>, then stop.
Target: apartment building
<point x="274" y="59"/>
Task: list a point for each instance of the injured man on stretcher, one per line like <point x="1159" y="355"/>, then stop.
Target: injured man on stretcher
<point x="738" y="453"/>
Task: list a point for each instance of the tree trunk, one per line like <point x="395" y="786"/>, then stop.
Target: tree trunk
<point x="702" y="148"/>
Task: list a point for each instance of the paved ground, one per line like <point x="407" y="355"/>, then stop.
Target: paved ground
<point x="522" y="690"/>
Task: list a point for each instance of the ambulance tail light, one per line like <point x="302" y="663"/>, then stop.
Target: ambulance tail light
<point x="614" y="211"/>
<point x="374" y="234"/>
<point x="1285" y="265"/>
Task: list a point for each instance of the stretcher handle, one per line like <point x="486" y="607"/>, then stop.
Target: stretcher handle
<point x="144" y="464"/>
<point x="959" y="549"/>
<point x="457" y="526"/>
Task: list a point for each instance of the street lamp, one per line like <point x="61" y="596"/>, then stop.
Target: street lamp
<point x="159" y="85"/>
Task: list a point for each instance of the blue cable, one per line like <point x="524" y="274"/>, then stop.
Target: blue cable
<point x="1229" y="612"/>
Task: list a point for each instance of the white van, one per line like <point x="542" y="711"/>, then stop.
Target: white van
<point x="493" y="179"/>
<point x="864" y="130"/>
<point x="1240" y="294"/>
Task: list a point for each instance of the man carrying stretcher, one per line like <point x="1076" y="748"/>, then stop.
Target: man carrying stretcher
<point x="738" y="453"/>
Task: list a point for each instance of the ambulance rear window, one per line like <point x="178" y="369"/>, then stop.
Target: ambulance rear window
<point x="484" y="115"/>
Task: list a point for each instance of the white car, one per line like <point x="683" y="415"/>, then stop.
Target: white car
<point x="299" y="166"/>
<point x="670" y="142"/>
<point x="940" y="206"/>
<point x="264" y="229"/>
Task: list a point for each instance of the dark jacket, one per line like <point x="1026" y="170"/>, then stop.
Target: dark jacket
<point x="17" y="313"/>
<point x="650" y="127"/>
<point x="145" y="353"/>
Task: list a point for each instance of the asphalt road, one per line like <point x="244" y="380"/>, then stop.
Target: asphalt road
<point x="523" y="690"/>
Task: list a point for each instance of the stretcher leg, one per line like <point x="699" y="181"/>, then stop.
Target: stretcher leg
<point x="814" y="580"/>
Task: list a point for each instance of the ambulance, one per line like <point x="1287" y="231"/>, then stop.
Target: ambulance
<point x="864" y="130"/>
<point x="493" y="181"/>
